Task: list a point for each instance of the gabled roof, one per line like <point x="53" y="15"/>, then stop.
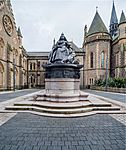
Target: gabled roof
<point x="74" y="46"/>
<point x="122" y="18"/>
<point x="113" y="19"/>
<point x="97" y="25"/>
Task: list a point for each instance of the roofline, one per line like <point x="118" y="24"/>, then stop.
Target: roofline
<point x="122" y="23"/>
<point x="97" y="32"/>
<point x="38" y="52"/>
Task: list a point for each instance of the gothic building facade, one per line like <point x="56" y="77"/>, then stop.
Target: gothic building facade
<point x="103" y="53"/>
<point x="13" y="57"/>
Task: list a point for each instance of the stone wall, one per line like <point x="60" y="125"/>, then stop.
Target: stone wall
<point x="109" y="89"/>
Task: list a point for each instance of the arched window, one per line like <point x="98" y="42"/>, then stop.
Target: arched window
<point x="1" y="74"/>
<point x="16" y="56"/>
<point x="102" y="59"/>
<point x="1" y="48"/>
<point x="30" y="66"/>
<point x="34" y="66"/>
<point x="91" y="60"/>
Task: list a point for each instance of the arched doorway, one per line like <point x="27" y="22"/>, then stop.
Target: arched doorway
<point x="32" y="81"/>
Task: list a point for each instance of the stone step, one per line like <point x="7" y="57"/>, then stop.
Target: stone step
<point x="54" y="105"/>
<point x="61" y="111"/>
<point x="61" y="99"/>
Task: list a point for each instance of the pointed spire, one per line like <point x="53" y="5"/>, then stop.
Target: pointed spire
<point x="122" y="18"/>
<point x="113" y="28"/>
<point x="54" y="41"/>
<point x="97" y="25"/>
<point x="19" y="32"/>
<point x="96" y="8"/>
<point x="113" y="15"/>
<point x="85" y="30"/>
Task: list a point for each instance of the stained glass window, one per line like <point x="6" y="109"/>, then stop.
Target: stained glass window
<point x="102" y="59"/>
<point x="91" y="60"/>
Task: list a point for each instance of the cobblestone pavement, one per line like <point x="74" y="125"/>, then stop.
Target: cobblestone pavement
<point x="11" y="95"/>
<point x="115" y="96"/>
<point x="119" y="117"/>
<point x="26" y="131"/>
<point x="4" y="117"/>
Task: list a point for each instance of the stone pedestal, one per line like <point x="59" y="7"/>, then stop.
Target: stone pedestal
<point x="62" y="82"/>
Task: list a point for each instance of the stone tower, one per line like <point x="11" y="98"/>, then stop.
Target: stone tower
<point x="113" y="23"/>
<point x="122" y="44"/>
<point x="118" y="54"/>
<point x="122" y="26"/>
<point x="12" y="53"/>
<point x="97" y="51"/>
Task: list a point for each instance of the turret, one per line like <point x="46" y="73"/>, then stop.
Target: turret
<point x="97" y="51"/>
<point x="113" y="28"/>
<point x="19" y="36"/>
<point x="85" y="33"/>
<point x="97" y="26"/>
<point x="122" y="26"/>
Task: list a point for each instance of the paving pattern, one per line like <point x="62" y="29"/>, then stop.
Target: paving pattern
<point x="120" y="117"/>
<point x="26" y="131"/>
<point x="115" y="96"/>
<point x="4" y="117"/>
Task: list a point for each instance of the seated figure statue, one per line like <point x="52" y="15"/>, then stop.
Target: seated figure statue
<point x="62" y="52"/>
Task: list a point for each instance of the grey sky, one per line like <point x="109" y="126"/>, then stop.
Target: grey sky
<point x="43" y="20"/>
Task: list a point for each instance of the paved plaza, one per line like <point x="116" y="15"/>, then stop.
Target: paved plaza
<point x="120" y="97"/>
<point x="14" y="94"/>
<point x="26" y="131"/>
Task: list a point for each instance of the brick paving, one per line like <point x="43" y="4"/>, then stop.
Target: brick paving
<point x="4" y="117"/>
<point x="26" y="131"/>
<point x="120" y="117"/>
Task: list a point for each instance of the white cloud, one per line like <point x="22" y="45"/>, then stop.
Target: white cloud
<point x="43" y="20"/>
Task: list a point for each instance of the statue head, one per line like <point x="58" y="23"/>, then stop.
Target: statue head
<point x="62" y="38"/>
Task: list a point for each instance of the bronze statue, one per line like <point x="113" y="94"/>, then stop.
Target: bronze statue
<point x="62" y="52"/>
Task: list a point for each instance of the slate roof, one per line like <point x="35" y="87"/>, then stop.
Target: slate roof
<point x="97" y="25"/>
<point x="74" y="46"/>
<point x="122" y="18"/>
<point x="113" y="19"/>
<point x="38" y="54"/>
<point x="46" y="54"/>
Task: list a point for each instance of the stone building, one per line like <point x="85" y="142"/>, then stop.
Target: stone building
<point x="36" y="73"/>
<point x="118" y="45"/>
<point x="13" y="57"/>
<point x="105" y="51"/>
<point x="97" y="51"/>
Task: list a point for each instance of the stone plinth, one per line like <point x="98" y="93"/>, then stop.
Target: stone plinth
<point x="62" y="86"/>
<point x="62" y="82"/>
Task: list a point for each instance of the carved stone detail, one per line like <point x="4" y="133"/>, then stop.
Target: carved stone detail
<point x="7" y="23"/>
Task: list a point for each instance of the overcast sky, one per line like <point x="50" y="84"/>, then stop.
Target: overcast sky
<point x="43" y="20"/>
